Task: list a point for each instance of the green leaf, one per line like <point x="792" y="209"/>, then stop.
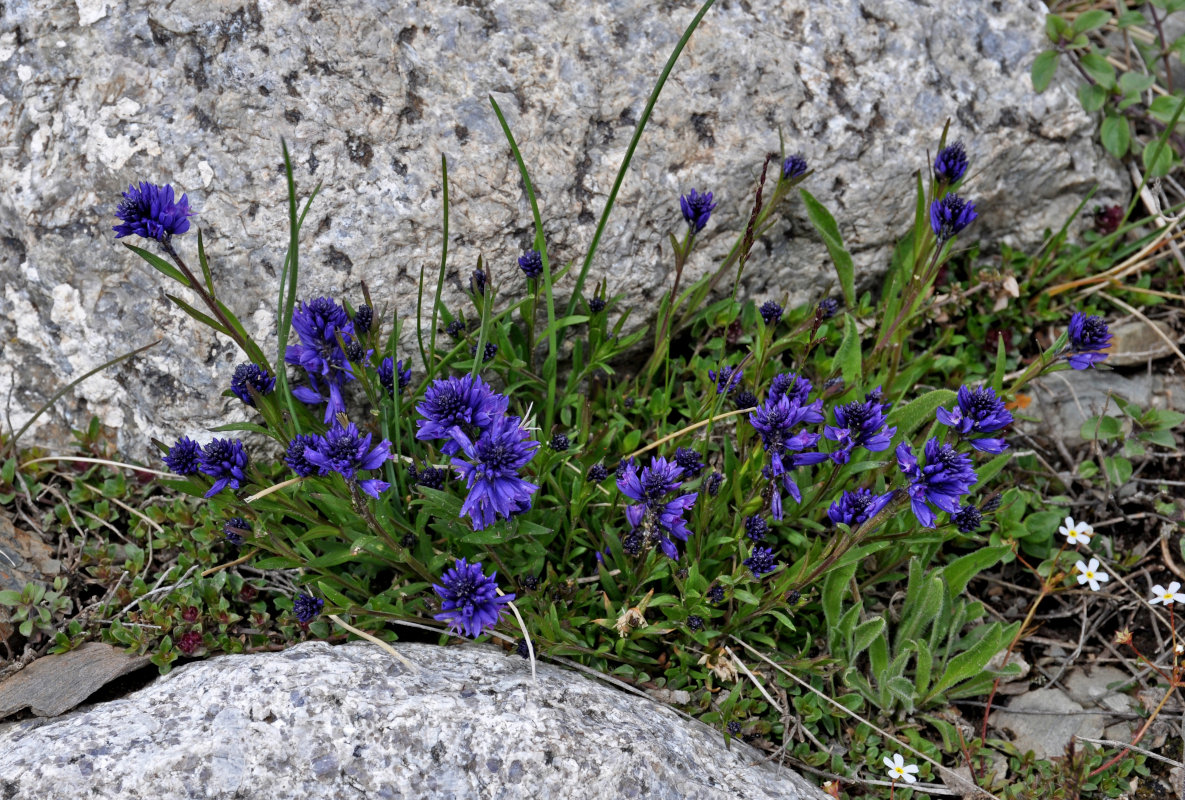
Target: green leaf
<point x="1163" y="109"/>
<point x="1043" y="70"/>
<point x="998" y="372"/>
<point x="1119" y="469"/>
<point x="1089" y="21"/>
<point x="440" y="504"/>
<point x="8" y="471"/>
<point x="10" y="597"/>
<point x="1135" y="82"/>
<point x="848" y="356"/>
<point x="1097" y="66"/>
<point x="992" y="468"/>
<point x="1056" y="27"/>
<point x="1101" y="428"/>
<point x="834" y="587"/>
<point x="924" y="662"/>
<point x="969" y="663"/>
<point x="159" y="264"/>
<point x="909" y="417"/>
<point x="199" y="316"/>
<point x="825" y="224"/>
<point x="864" y="634"/>
<point x="1157" y="159"/>
<point x="1092" y="97"/>
<point x="959" y="572"/>
<point x="1115" y="134"/>
<point x="1043" y="524"/>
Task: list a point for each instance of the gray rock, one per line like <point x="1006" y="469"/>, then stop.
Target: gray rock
<point x="350" y="722"/>
<point x="1061" y="402"/>
<point x="370" y="94"/>
<point x="1045" y="721"/>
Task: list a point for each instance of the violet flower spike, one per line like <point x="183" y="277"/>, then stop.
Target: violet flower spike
<point x="150" y="211"/>
<point x="978" y="411"/>
<point x="1088" y="337"/>
<point x="860" y="424"/>
<point x="225" y="461"/>
<point x="491" y="471"/>
<point x="653" y="516"/>
<point x="467" y="403"/>
<point x="345" y="450"/>
<point x="950" y="215"/>
<point x="942" y="482"/>
<point x="471" y="603"/>
<point x="697" y="209"/>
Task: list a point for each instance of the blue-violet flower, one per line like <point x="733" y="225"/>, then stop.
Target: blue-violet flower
<point x="225" y="461"/>
<point x="254" y="375"/>
<point x="471" y="602"/>
<point x="491" y="471"/>
<point x="1088" y="336"/>
<point x="951" y="163"/>
<point x="950" y="215"/>
<point x="945" y="478"/>
<point x="978" y="411"/>
<point x="859" y="424"/>
<point x="184" y="457"/>
<point x="697" y="208"/>
<point x="531" y="263"/>
<point x="345" y="450"/>
<point x="150" y="211"/>
<point x="655" y="517"/>
<point x="467" y="403"/>
<point x="855" y="508"/>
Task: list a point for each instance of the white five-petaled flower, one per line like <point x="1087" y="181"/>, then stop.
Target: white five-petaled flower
<point x="899" y="770"/>
<point x="1076" y="533"/>
<point x="1179" y="649"/>
<point x="1091" y="573"/>
<point x="1167" y="596"/>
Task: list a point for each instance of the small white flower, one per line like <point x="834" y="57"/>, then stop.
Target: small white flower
<point x="899" y="770"/>
<point x="1076" y="533"/>
<point x="1091" y="573"/>
<point x="1180" y="649"/>
<point x="1167" y="596"/>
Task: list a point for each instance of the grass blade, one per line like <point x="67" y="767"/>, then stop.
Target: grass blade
<point x="61" y="392"/>
<point x="629" y="153"/>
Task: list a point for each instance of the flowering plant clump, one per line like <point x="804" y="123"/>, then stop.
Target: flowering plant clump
<point x="752" y="505"/>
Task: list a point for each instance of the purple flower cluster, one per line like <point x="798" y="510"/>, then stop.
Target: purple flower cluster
<point x="1088" y="337"/>
<point x="344" y="450"/>
<point x="466" y="403"/>
<point x="307" y="608"/>
<point x="388" y="369"/>
<point x="771" y="312"/>
<point x="978" y="411"/>
<point x="794" y="166"/>
<point x="950" y="215"/>
<point x="860" y="424"/>
<point x="151" y="211"/>
<point x="654" y="517"/>
<point x="951" y="163"/>
<point x="727" y="378"/>
<point x="224" y="460"/>
<point x="946" y="476"/>
<point x="471" y="418"/>
<point x="254" y="375"/>
<point x="855" y="508"/>
<point x="531" y="263"/>
<point x="697" y="208"/>
<point x="318" y="324"/>
<point x="471" y="603"/>
<point x="786" y="445"/>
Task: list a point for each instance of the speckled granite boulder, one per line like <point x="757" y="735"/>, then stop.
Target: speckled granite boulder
<point x="369" y="93"/>
<point x="350" y="722"/>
